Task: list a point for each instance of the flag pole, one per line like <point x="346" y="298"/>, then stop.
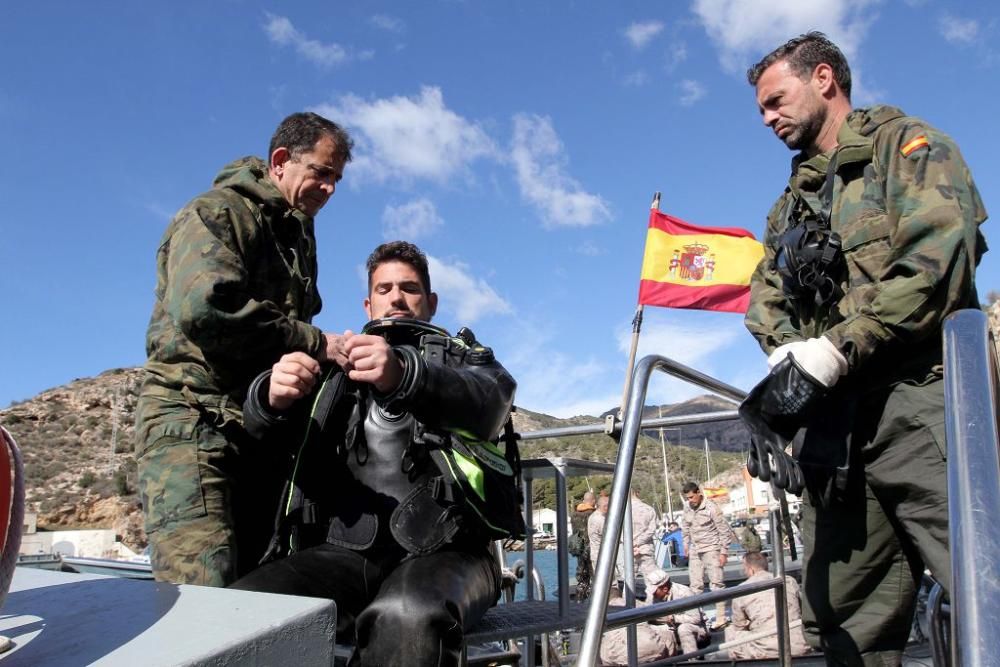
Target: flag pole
<point x="636" y="327"/>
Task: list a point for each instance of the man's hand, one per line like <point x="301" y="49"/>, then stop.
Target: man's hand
<point x="371" y="359"/>
<point x="334" y="349"/>
<point x="817" y="356"/>
<point x="292" y="378"/>
<point x="723" y="558"/>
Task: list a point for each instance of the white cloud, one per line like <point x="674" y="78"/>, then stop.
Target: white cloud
<point x="281" y="31"/>
<point x="556" y="384"/>
<point x="590" y="249"/>
<point x="551" y="381"/>
<point x="468" y="297"/>
<point x="410" y="137"/>
<point x="744" y="33"/>
<point x="638" y="78"/>
<point x="676" y="54"/>
<point x="691" y="92"/>
<point x="958" y="30"/>
<point x="539" y="162"/>
<point x="410" y="221"/>
<point x="688" y="344"/>
<point x="640" y="34"/>
<point x="697" y="346"/>
<point x="388" y="23"/>
<point x="161" y="212"/>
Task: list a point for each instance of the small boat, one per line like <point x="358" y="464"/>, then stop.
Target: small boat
<point x="40" y="561"/>
<point x="137" y="569"/>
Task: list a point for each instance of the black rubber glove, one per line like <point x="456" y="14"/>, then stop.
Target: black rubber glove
<point x="774" y="411"/>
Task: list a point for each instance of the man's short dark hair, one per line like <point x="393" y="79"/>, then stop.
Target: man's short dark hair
<point x="300" y="132"/>
<point x="690" y="487"/>
<point x="756" y="560"/>
<point x="803" y="54"/>
<point x="400" y="251"/>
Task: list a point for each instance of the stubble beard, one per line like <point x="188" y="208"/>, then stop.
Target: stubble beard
<point x="803" y="135"/>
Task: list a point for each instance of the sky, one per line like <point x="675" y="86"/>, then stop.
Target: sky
<point x="518" y="143"/>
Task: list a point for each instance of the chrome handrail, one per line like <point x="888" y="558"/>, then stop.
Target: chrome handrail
<point x="971" y="389"/>
<point x="614" y="522"/>
<point x="648" y="424"/>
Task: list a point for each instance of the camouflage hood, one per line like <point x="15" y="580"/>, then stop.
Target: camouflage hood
<point x="865" y="121"/>
<point x="248" y="176"/>
<point x="854" y="144"/>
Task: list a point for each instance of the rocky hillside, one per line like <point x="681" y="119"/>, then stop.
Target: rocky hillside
<point x="77" y="441"/>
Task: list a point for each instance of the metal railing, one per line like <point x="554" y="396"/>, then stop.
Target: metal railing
<point x="616" y="523"/>
<point x="971" y="389"/>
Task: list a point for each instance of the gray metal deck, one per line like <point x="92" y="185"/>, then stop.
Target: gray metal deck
<point x="60" y="619"/>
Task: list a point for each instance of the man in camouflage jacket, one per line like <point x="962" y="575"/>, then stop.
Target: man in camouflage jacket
<point x="903" y="205"/>
<point x="236" y="288"/>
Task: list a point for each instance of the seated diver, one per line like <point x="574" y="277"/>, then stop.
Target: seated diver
<point x="368" y="520"/>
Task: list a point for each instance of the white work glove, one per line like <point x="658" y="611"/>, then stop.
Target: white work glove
<point x="817" y="356"/>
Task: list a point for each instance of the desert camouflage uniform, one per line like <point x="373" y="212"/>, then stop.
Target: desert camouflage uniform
<point x="756" y="613"/>
<point x="236" y="288"/>
<point x="706" y="538"/>
<point x="643" y="528"/>
<point x="909" y="221"/>
<point x="653" y="642"/>
<point x="658" y="638"/>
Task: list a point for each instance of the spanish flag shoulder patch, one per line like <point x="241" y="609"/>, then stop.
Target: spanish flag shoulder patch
<point x="914" y="144"/>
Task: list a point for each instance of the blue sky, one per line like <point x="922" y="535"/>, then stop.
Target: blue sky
<point x="518" y="143"/>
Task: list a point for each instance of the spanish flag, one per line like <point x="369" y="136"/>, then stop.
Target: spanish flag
<point x="702" y="268"/>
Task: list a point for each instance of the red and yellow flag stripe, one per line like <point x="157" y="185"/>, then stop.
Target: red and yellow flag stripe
<point x="706" y="268"/>
<point x="913" y="145"/>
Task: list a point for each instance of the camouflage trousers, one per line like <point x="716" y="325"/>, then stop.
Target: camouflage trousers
<point x="708" y="561"/>
<point x="867" y="544"/>
<point x="209" y="499"/>
<point x="584" y="575"/>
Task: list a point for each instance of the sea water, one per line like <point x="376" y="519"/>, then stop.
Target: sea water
<point x="546" y="562"/>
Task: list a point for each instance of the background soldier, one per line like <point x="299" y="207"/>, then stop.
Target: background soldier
<point x="689" y="625"/>
<point x="579" y="545"/>
<point x="873" y="243"/>
<point x="674" y="540"/>
<point x="706" y="542"/>
<point x="755" y="613"/>
<point x="643" y="529"/>
<point x="750" y="539"/>
<point x="236" y="288"/>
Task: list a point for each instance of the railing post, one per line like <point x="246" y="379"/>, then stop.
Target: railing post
<point x="970" y="385"/>
<point x="631" y="426"/>
<point x="780" y="593"/>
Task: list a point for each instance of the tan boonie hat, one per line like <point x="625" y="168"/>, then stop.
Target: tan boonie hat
<point x="655" y="577"/>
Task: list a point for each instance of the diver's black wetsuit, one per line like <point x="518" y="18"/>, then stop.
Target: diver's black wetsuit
<point x="409" y="574"/>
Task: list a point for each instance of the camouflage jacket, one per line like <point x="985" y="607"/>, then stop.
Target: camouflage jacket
<point x="235" y="289"/>
<point x="908" y="213"/>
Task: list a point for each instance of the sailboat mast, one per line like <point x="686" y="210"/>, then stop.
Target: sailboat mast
<point x="666" y="478"/>
<point x="708" y="462"/>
